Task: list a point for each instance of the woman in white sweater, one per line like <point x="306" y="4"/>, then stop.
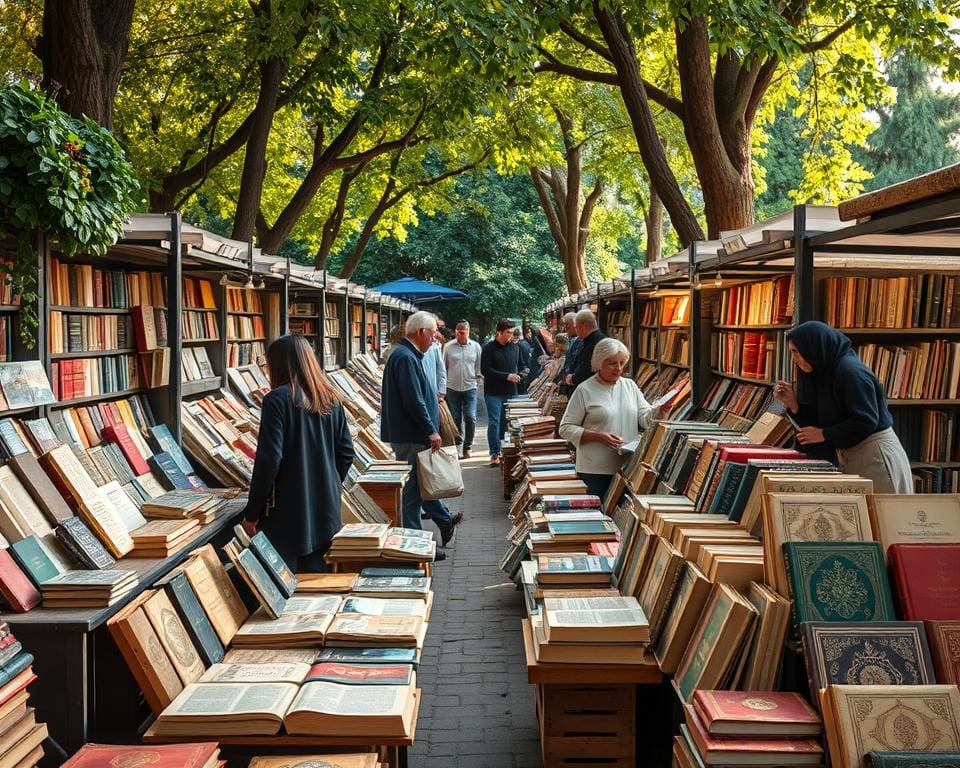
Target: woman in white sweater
<point x="605" y="411"/>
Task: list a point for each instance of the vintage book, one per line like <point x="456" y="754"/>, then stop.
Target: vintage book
<point x="838" y="581"/>
<point x="809" y="517"/>
<point x="275" y="565"/>
<point x="195" y="621"/>
<point x="227" y="708"/>
<point x="21" y="741"/>
<point x="657" y="589"/>
<point x="766" y="651"/>
<point x="866" y="653"/>
<point x="19" y="591"/>
<point x="944" y="640"/>
<point x="859" y="719"/>
<point x="392" y="586"/>
<point x="320" y="604"/>
<point x="926" y="579"/>
<point x="173" y="636"/>
<point x="166" y="469"/>
<point x="802" y="477"/>
<point x="197" y="755"/>
<point x="352" y="629"/>
<point x="573" y="569"/>
<point x="288" y="631"/>
<point x="19" y="503"/>
<point x="357" y="760"/>
<point x="279" y="672"/>
<point x="772" y="753"/>
<point x="752" y="714"/>
<point x="688" y="602"/>
<point x="361" y="674"/>
<point x="270" y="656"/>
<point x="326" y="582"/>
<point x="162" y="439"/>
<point x="40" y="487"/>
<point x="120" y="435"/>
<point x="375" y="606"/>
<point x="717" y="642"/>
<point x="216" y="593"/>
<point x="913" y="760"/>
<point x="145" y="656"/>
<point x="256" y="578"/>
<point x="340" y="655"/>
<point x="323" y="708"/>
<point x="920" y="518"/>
<point x="83" y="545"/>
<point x="595" y="620"/>
<point x="34" y="560"/>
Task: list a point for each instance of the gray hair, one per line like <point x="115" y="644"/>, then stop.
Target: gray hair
<point x="587" y="318"/>
<point x="419" y="320"/>
<point x="607" y="348"/>
<point x="570" y="317"/>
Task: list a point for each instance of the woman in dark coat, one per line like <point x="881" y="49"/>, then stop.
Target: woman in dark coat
<point x="840" y="403"/>
<point x="303" y="454"/>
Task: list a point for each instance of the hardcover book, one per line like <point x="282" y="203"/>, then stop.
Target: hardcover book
<point x="361" y="674"/>
<point x="16" y="588"/>
<point x="682" y="618"/>
<point x="838" y="581"/>
<point x="195" y="621"/>
<point x="358" y="760"/>
<point x="866" y="653"/>
<point x="666" y="568"/>
<point x="216" y="593"/>
<point x="83" y="545"/>
<point x="34" y="560"/>
<point x="750" y="751"/>
<point x="944" y="639"/>
<point x="910" y="718"/>
<point x="755" y="714"/>
<point x="198" y="755"/>
<point x="926" y="578"/>
<point x="275" y="565"/>
<point x="40" y="487"/>
<point x="255" y="575"/>
<point x="915" y="518"/>
<point x="913" y="760"/>
<point x="367" y="655"/>
<point x="173" y="636"/>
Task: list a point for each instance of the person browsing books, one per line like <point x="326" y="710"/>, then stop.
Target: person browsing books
<point x="589" y="333"/>
<point x="500" y="366"/>
<point x="605" y="411"/>
<point x="839" y="402"/>
<point x="303" y="454"/>
<point x="462" y="360"/>
<point x="410" y="420"/>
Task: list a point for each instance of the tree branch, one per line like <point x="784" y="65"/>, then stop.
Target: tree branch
<point x="552" y="221"/>
<point x="586" y="41"/>
<point x="587" y="213"/>
<point x="827" y="40"/>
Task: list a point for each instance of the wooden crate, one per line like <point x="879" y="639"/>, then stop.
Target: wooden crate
<point x="587" y="725"/>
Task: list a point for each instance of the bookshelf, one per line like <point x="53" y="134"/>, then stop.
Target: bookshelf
<point x="334" y="350"/>
<point x="357" y="325"/>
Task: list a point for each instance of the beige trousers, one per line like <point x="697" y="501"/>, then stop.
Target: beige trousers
<point x="880" y="458"/>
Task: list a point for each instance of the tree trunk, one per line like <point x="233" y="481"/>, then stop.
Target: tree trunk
<point x="83" y="46"/>
<point x="633" y="92"/>
<point x="654" y="224"/>
<point x="272" y="71"/>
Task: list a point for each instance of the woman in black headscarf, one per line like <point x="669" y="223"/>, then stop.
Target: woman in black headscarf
<point x="840" y="403"/>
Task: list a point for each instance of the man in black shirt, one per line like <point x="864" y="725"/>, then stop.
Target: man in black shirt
<point x="589" y="333"/>
<point x="499" y="364"/>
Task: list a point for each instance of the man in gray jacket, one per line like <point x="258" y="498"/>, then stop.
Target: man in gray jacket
<point x="461" y="356"/>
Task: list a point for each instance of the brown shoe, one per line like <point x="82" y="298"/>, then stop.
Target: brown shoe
<point x="466" y="453"/>
<point x="495" y="460"/>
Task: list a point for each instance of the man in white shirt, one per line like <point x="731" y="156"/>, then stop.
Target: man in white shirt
<point x="461" y="356"/>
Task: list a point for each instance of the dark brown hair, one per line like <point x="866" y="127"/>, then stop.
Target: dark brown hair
<point x="292" y="361"/>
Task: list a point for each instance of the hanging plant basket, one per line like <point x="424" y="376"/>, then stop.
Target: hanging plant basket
<point x="60" y="175"/>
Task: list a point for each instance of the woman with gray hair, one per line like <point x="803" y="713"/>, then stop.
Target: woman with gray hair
<point x="604" y="412"/>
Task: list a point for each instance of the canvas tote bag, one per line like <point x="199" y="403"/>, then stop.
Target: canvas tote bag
<point x="438" y="473"/>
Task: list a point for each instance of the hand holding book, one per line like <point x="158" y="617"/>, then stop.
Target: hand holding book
<point x="783" y="391"/>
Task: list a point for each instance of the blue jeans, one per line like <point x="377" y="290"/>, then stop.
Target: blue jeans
<point x="463" y="408"/>
<point x="410" y="499"/>
<point x="496" y="421"/>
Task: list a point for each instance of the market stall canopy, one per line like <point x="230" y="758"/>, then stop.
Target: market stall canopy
<point x="413" y="289"/>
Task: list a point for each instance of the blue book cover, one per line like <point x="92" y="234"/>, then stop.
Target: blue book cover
<point x="913" y="760"/>
<point x="368" y="656"/>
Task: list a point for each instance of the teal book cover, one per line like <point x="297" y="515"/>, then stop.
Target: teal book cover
<point x="276" y="566"/>
<point x="866" y="653"/>
<point x="194" y="619"/>
<point x="727" y="489"/>
<point x="913" y="760"/>
<point x="261" y="584"/>
<point x="569" y="527"/>
<point x="30" y="556"/>
<point x="838" y="581"/>
<point x="368" y="656"/>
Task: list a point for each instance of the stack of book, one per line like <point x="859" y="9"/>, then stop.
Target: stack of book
<point x="612" y="629"/>
<point x="21" y="736"/>
<point x="748" y="728"/>
<point x="87" y="589"/>
<point x="359" y="541"/>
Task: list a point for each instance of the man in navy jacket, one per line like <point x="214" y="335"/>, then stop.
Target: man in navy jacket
<point x="411" y="418"/>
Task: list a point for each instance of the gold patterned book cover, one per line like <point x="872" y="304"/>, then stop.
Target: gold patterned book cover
<point x="887" y="718"/>
<point x="809" y="517"/>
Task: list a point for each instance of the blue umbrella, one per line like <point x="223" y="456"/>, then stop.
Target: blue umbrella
<point x="413" y="289"/>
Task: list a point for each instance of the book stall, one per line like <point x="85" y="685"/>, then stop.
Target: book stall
<point x="795" y="616"/>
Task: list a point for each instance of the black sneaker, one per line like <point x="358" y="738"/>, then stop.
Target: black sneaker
<point x="446" y="533"/>
<point x="439" y="556"/>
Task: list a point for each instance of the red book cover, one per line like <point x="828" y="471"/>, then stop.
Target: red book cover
<point x="755" y="713"/>
<point x="571" y="502"/>
<point x="118" y="433"/>
<point x="725" y="751"/>
<point x="17" y="684"/>
<point x="751" y="353"/>
<point x="245" y="447"/>
<point x="926" y="580"/>
<point x="740" y="453"/>
<point x="944" y="638"/>
<point x="379" y="674"/>
<point x="15" y="587"/>
<point x="193" y="755"/>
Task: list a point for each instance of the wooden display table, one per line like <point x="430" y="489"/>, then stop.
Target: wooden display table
<point x="344" y="565"/>
<point x="391" y="749"/>
<point x="587" y="713"/>
<point x="84" y="690"/>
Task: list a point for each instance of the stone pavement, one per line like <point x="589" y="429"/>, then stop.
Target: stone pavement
<point x="477" y="709"/>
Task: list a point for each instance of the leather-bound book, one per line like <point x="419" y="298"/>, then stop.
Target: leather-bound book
<point x="15" y="587"/>
<point x="194" y="619"/>
<point x="173" y="636"/>
<point x="944" y="639"/>
<point x="755" y="714"/>
<point x="767" y="753"/>
<point x="276" y="567"/>
<point x="196" y="755"/>
<point x="926" y="579"/>
<point x="83" y="545"/>
<point x="913" y="760"/>
<point x="120" y="435"/>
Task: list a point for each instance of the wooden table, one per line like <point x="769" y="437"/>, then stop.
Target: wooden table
<point x="84" y="690"/>
<point x="344" y="565"/>
<point x="391" y="749"/>
<point x="587" y="713"/>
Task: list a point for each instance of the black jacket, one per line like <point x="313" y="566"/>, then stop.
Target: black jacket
<point x="410" y="408"/>
<point x="302" y="460"/>
<point x="496" y="362"/>
<point x="583" y="371"/>
<point x="841" y="395"/>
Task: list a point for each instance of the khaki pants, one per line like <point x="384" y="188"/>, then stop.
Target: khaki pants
<point x="880" y="458"/>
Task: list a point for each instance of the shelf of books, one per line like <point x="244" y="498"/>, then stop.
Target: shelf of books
<point x="357" y="326"/>
<point x="372" y="331"/>
<point x="333" y="342"/>
<point x="202" y="340"/>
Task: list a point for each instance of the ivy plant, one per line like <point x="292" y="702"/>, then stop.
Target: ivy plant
<point x="63" y="176"/>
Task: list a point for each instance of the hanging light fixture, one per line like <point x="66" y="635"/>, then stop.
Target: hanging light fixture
<point x="259" y="283"/>
<point x="718" y="282"/>
<point x="224" y="280"/>
<point x="249" y="284"/>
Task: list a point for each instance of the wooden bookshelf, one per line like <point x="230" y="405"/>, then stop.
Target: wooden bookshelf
<point x="246" y="329"/>
<point x="333" y="342"/>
